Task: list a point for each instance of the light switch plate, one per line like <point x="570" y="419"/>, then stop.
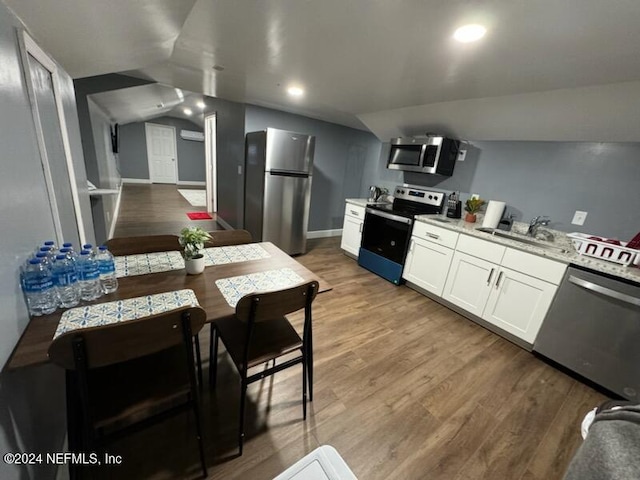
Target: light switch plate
<point x="579" y="218"/>
<point x="462" y="154"/>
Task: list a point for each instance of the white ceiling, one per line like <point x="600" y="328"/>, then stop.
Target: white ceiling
<point x="362" y="61"/>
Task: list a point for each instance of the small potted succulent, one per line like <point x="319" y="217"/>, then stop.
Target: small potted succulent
<point x="472" y="206"/>
<point x="192" y="240"/>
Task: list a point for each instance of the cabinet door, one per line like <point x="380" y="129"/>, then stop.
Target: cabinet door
<point x="427" y="265"/>
<point x="469" y="282"/>
<point x="518" y="303"/>
<point x="351" y="235"/>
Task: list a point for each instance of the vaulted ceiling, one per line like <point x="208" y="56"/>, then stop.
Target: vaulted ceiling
<point x="363" y="63"/>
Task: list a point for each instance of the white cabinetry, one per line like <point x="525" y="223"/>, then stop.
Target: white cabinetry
<point x="352" y="229"/>
<point x="429" y="257"/>
<point x="505" y="287"/>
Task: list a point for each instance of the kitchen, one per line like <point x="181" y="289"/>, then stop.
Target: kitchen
<point x="532" y="147"/>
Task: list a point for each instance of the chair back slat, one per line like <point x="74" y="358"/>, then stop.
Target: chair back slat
<point x="223" y="238"/>
<point x="148" y="244"/>
<point x="120" y="342"/>
<point x="268" y="305"/>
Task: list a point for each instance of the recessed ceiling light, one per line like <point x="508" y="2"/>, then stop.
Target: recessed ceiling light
<point x="469" y="33"/>
<point x="200" y="105"/>
<point x="295" y="91"/>
<point x="187" y="111"/>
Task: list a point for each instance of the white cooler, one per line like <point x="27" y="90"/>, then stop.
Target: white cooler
<point x="324" y="463"/>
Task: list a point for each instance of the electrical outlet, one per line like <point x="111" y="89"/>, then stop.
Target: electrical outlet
<point x="462" y="154"/>
<point x="239" y="169"/>
<point x="579" y="218"/>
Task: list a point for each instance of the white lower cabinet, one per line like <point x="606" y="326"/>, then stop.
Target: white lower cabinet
<point x="518" y="303"/>
<point x="352" y="229"/>
<point x="427" y="265"/>
<point x="469" y="282"/>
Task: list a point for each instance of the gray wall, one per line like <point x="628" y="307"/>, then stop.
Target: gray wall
<point x="31" y="400"/>
<point x="230" y="118"/>
<point x="133" y="150"/>
<point x="341" y="157"/>
<point x="547" y="178"/>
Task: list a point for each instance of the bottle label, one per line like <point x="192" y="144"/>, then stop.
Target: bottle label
<point x="37" y="284"/>
<point x="107" y="266"/>
<point x="64" y="279"/>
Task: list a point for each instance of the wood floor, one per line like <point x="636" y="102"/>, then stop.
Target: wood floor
<point x="404" y="389"/>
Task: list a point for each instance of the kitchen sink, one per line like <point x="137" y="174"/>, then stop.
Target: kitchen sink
<point x="523" y="239"/>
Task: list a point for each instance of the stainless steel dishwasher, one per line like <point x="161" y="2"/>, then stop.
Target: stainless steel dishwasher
<point x="593" y="328"/>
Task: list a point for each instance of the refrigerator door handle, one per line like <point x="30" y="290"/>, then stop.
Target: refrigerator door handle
<point x="288" y="173"/>
<point x="623" y="297"/>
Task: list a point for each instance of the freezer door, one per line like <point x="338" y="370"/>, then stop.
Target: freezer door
<point x="286" y="211"/>
<point x="289" y="151"/>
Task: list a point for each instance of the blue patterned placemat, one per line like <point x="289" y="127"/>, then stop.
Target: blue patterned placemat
<point x="123" y="310"/>
<point x="234" y="288"/>
<point x="145" y="263"/>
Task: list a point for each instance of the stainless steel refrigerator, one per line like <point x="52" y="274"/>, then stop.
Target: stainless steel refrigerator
<point x="278" y="173"/>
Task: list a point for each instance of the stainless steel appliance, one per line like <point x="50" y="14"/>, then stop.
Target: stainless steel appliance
<point x="387" y="230"/>
<point x="278" y="174"/>
<point x="426" y="154"/>
<point x="593" y="327"/>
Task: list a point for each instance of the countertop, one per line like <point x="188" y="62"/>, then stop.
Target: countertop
<point x="363" y="202"/>
<point x="561" y="240"/>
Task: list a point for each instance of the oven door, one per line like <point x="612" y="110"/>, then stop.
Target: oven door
<point x="386" y="234"/>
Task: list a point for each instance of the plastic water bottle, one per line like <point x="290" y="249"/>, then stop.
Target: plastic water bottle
<point x="50" y="243"/>
<point x="107" y="266"/>
<point x="89" y="276"/>
<point x="45" y="259"/>
<point x="88" y="246"/>
<point x="51" y="254"/>
<point x="38" y="288"/>
<point x="65" y="281"/>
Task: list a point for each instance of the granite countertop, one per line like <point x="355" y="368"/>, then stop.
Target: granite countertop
<point x="569" y="255"/>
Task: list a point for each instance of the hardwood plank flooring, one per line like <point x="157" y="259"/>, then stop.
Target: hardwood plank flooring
<point x="404" y="389"/>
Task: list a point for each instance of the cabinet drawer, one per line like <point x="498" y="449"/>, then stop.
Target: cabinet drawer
<point x="355" y="211"/>
<point x="439" y="235"/>
<point x="539" y="267"/>
<point x="492" y="252"/>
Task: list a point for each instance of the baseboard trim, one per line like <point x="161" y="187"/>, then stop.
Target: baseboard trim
<point x="145" y="181"/>
<point x="325" y="233"/>
<point x="224" y="224"/>
<point x="195" y="184"/>
<point x="116" y="212"/>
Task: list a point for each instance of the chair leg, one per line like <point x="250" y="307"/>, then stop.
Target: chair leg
<point x="213" y="357"/>
<point x="304" y="386"/>
<point x="243" y="397"/>
<point x="198" y="360"/>
<point x="196" y="412"/>
<point x="309" y="359"/>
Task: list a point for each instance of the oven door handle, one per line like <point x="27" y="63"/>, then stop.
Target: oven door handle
<point x="623" y="297"/>
<point x="390" y="216"/>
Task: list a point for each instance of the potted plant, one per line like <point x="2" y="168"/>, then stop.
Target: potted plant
<point x="192" y="241"/>
<point x="472" y="206"/>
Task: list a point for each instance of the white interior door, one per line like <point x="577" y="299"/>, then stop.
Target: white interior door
<point x="210" y="147"/>
<point x="161" y="153"/>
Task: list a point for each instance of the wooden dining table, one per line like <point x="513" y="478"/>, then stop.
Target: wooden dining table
<point x="34" y="343"/>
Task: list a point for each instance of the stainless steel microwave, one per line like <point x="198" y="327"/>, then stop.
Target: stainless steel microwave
<point x="429" y="154"/>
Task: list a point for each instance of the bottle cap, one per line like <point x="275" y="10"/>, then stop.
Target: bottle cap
<point x="45" y="249"/>
<point x="49" y="243"/>
<point x="102" y="247"/>
<point x="41" y="254"/>
<point x="35" y="261"/>
<point x="85" y="252"/>
<point x="67" y="245"/>
<point x="87" y="246"/>
<point x="65" y="250"/>
<point x="61" y="256"/>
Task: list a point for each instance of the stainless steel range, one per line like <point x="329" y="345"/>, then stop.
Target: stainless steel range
<point x="387" y="230"/>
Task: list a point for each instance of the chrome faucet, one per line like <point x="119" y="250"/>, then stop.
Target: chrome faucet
<point x="535" y="223"/>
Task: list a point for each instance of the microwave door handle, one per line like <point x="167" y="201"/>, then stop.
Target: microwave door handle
<point x="389" y="216"/>
<point x="607" y="292"/>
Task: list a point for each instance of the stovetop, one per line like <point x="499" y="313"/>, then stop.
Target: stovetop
<point x="410" y="201"/>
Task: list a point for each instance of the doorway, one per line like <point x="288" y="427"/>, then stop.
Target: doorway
<point x="162" y="153"/>
<point x="210" y="149"/>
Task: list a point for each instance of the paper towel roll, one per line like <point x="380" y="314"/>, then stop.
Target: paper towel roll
<point x="494" y="213"/>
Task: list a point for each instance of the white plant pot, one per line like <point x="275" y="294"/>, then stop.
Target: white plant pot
<point x="194" y="266"/>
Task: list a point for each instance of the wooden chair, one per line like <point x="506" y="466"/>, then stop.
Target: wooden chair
<point x="259" y="333"/>
<point x="147" y="244"/>
<point x="125" y="376"/>
<point x="222" y="238"/>
<point x="121" y="246"/>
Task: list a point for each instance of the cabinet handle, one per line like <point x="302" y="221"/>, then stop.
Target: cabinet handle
<point x="411" y="246"/>
<point x="433" y="235"/>
<point x="353" y="212"/>
<point x="499" y="278"/>
<point x="490" y="275"/>
<point x="361" y="227"/>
